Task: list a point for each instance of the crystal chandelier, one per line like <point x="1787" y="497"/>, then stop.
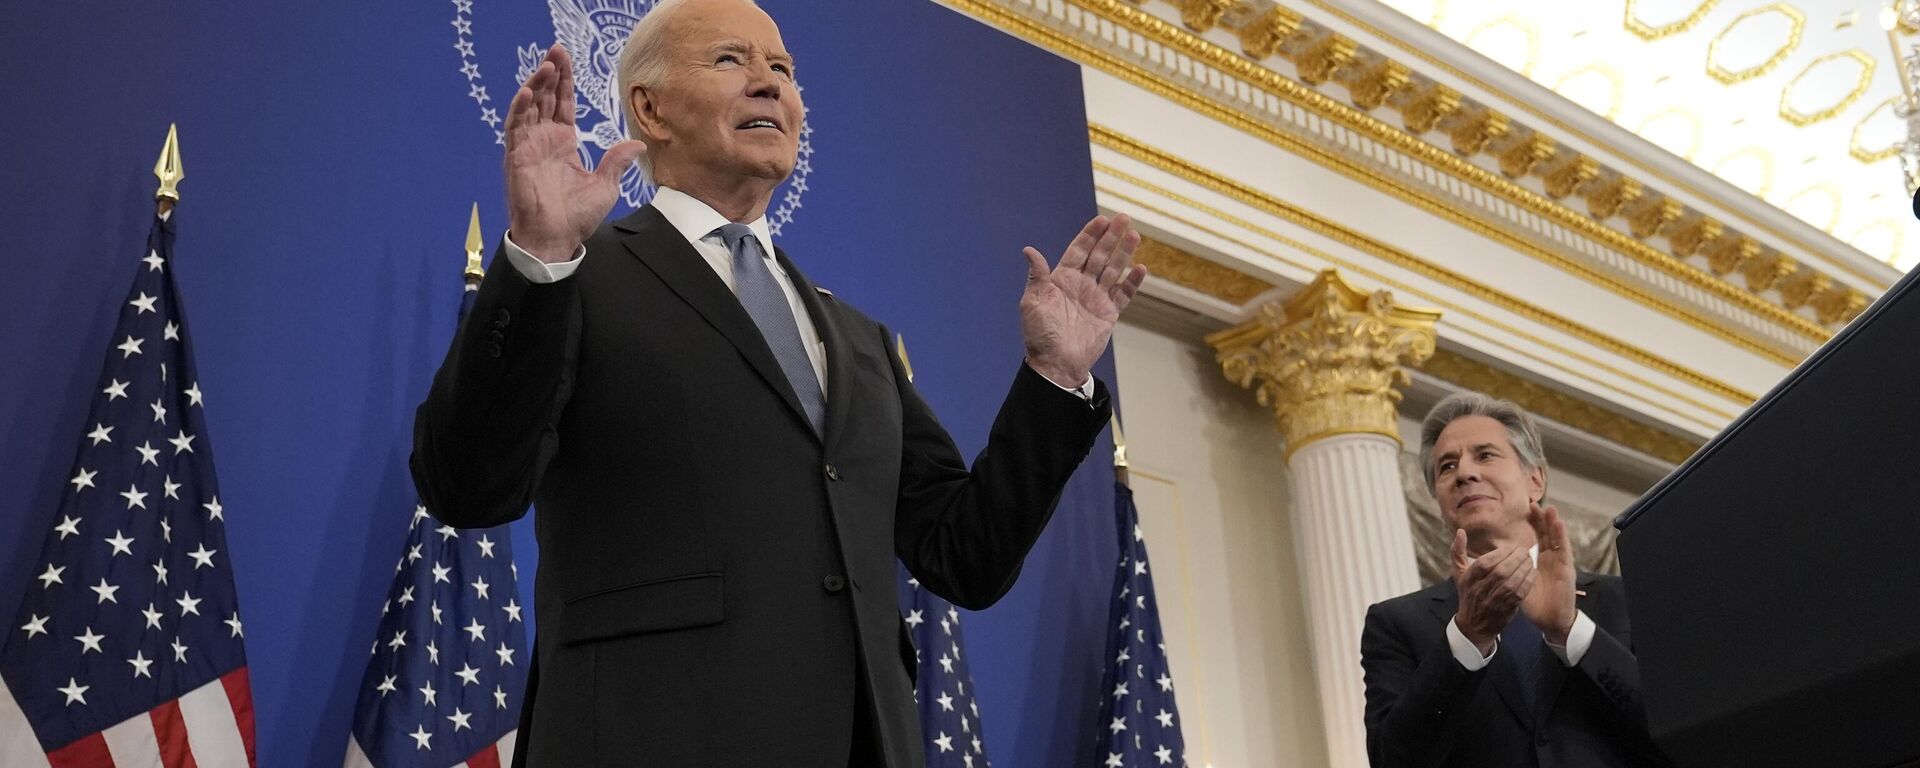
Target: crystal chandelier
<point x="1902" y="17"/>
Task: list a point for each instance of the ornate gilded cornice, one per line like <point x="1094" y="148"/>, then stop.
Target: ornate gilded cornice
<point x="1166" y="262"/>
<point x="1375" y="81"/>
<point x="1328" y="361"/>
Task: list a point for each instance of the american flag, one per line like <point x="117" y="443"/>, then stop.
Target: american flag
<point x="949" y="716"/>
<point x="450" y="658"/>
<point x="128" y="647"/>
<point x="1139" y="723"/>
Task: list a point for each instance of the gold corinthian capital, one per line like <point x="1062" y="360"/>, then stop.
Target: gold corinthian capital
<point x="1328" y="361"/>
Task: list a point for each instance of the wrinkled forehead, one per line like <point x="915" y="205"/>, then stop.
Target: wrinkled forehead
<point x="703" y="25"/>
<point x="1469" y="432"/>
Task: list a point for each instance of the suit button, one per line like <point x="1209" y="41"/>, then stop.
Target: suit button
<point x="502" y="317"/>
<point x="493" y="350"/>
<point x="833" y="473"/>
<point x="833" y="584"/>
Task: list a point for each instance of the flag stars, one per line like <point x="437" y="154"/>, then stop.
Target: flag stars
<point x="214" y="510"/>
<point x="233" y="625"/>
<point x="406" y="596"/>
<point x="447" y="532"/>
<point x="169" y="488"/>
<point x="1114" y="760"/>
<point x="429" y="694"/>
<point x="513" y="609"/>
<point x="115" y="391"/>
<point x="193" y="394"/>
<point x="159" y="410"/>
<point x="422" y="739"/>
<point x="36" y="625"/>
<point x="433" y="652"/>
<point x="144" y="303"/>
<point x="1165" y="718"/>
<point x="480" y="587"/>
<point x="89" y="641"/>
<point x="499" y="697"/>
<point x="69" y="526"/>
<point x="166" y="530"/>
<point x="74" y="692"/>
<point x="477" y="630"/>
<point x="148" y="455"/>
<point x="435" y="607"/>
<point x="1165" y="681"/>
<point x="486" y="546"/>
<point x="419" y="514"/>
<point x="440" y="574"/>
<point x="182" y="442"/>
<point x="122" y="545"/>
<point x="946" y="663"/>
<point x="130" y="347"/>
<point x="105" y="591"/>
<point x="505" y="654"/>
<point x="153" y="261"/>
<point x="202" y="557"/>
<point x="188" y="604"/>
<point x="1119" y="724"/>
<point x="171" y="332"/>
<point x="140" y="664"/>
<point x="946" y="701"/>
<point x="1165" y="755"/>
<point x="152" y="616"/>
<point x="179" y="651"/>
<point x="468" y="675"/>
<point x="413" y="554"/>
<point x="945" y="742"/>
<point x="386" y="685"/>
<point x="1120" y="691"/>
<point x="399" y="640"/>
<point x="52" y="576"/>
<point x="459" y="720"/>
<point x="101" y="434"/>
<point x="914" y="619"/>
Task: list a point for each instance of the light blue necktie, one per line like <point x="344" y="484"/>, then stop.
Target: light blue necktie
<point x="760" y="294"/>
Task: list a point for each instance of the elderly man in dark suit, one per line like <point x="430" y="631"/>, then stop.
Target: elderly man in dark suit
<point x="1517" y="660"/>
<point x="726" y="460"/>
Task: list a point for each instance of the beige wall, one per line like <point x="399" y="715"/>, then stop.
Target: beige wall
<point x="1211" y="485"/>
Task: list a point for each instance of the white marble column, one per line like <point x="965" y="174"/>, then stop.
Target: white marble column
<point x="1329" y="362"/>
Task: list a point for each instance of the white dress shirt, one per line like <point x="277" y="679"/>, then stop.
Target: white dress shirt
<point x="1578" y="639"/>
<point x="696" y="221"/>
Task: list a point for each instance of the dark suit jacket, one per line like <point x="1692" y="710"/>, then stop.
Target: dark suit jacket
<point x="1425" y="710"/>
<point x="716" y="581"/>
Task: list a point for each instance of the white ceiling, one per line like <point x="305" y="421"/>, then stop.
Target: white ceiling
<point x="1791" y="101"/>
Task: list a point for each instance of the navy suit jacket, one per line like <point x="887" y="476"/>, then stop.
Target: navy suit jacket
<point x="716" y="581"/>
<point x="1424" y="710"/>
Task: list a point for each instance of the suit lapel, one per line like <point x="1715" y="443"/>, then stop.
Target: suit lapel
<point x="1506" y="681"/>
<point x="836" y="338"/>
<point x="660" y="248"/>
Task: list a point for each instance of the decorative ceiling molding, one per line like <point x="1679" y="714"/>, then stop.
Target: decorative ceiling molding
<point x="1156" y="54"/>
<point x="1373" y="247"/>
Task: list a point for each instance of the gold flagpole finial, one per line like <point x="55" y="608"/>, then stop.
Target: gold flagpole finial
<point x="169" y="170"/>
<point x="474" y="273"/>
<point x="1119" y="451"/>
<point x="900" y="349"/>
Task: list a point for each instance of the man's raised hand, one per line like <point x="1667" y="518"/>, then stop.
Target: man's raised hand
<point x="1068" y="311"/>
<point x="553" y="202"/>
<point x="1491" y="589"/>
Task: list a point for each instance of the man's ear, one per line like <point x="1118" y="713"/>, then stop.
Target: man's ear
<point x="644" y="109"/>
<point x="1537" y="484"/>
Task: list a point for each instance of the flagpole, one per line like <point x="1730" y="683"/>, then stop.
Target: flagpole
<point x="1119" y="451"/>
<point x="474" y="273"/>
<point x="170" y="172"/>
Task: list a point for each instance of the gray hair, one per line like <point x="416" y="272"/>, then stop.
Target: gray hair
<point x="644" y="61"/>
<point x="1459" y="405"/>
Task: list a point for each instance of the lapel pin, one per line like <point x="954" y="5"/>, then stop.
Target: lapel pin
<point x="1579" y="593"/>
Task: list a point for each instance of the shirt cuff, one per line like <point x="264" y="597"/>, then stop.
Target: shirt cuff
<point x="1579" y="639"/>
<point x="537" y="271"/>
<point x="1465" y="652"/>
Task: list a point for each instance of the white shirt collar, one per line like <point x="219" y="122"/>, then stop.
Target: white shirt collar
<point x="696" y="220"/>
